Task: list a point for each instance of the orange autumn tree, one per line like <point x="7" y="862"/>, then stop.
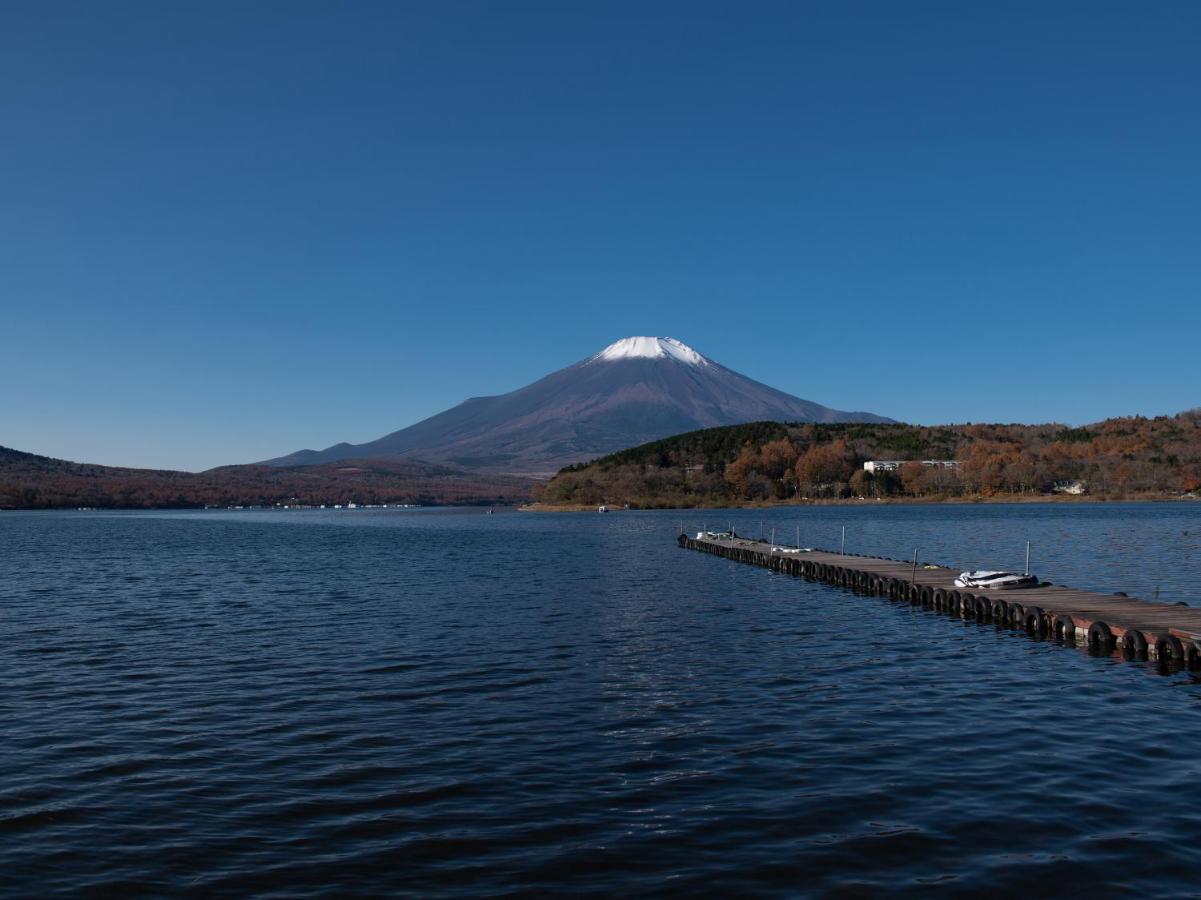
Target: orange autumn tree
<point x="777" y="461"/>
<point x="763" y="472"/>
<point x="985" y="463"/>
<point x="740" y="471"/>
<point x="825" y="468"/>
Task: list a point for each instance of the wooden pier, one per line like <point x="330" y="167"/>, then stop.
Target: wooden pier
<point x="1140" y="629"/>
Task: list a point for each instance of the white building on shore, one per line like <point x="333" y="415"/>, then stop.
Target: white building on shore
<point x="893" y="465"/>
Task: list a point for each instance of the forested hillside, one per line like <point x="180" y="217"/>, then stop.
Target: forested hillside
<point x="29" y="481"/>
<point x="770" y="461"/>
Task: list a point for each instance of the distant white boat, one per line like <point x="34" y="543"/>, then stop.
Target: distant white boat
<point x="602" y="508"/>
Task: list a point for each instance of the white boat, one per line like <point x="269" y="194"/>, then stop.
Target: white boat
<point x="995" y="580"/>
<point x="602" y="509"/>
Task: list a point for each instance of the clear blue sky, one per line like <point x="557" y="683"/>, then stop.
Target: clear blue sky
<point x="233" y="230"/>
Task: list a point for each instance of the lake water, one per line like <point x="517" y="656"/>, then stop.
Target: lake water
<point x="413" y="702"/>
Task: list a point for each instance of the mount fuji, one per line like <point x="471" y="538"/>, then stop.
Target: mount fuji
<point x="636" y="390"/>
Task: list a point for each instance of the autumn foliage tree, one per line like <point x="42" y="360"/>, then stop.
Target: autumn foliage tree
<point x="740" y="471"/>
<point x="824" y="468"/>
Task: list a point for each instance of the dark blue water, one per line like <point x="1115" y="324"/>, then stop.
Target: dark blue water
<point x="437" y="702"/>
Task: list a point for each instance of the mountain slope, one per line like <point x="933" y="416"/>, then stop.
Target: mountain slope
<point x="635" y="390"/>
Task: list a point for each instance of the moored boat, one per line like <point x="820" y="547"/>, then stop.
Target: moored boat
<point x="995" y="580"/>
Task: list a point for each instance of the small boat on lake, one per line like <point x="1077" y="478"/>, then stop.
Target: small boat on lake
<point x="997" y="581"/>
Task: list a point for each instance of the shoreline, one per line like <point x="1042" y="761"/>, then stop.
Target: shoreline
<point x="539" y="506"/>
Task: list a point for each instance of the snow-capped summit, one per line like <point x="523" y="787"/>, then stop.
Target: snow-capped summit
<point x="635" y="390"/>
<point x="651" y="348"/>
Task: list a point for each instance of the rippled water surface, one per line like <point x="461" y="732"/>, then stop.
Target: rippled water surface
<point x="414" y="702"/>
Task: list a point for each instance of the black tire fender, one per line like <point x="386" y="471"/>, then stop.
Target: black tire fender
<point x="1193" y="651"/>
<point x="1065" y="628"/>
<point x="1134" y="641"/>
<point x="1168" y="646"/>
<point x="1100" y="636"/>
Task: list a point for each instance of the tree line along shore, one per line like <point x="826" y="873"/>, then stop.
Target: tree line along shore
<point x="772" y="462"/>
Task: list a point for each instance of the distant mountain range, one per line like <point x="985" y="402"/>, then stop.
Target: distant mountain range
<point x="29" y="481"/>
<point x="636" y="390"/>
<point x="485" y="450"/>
